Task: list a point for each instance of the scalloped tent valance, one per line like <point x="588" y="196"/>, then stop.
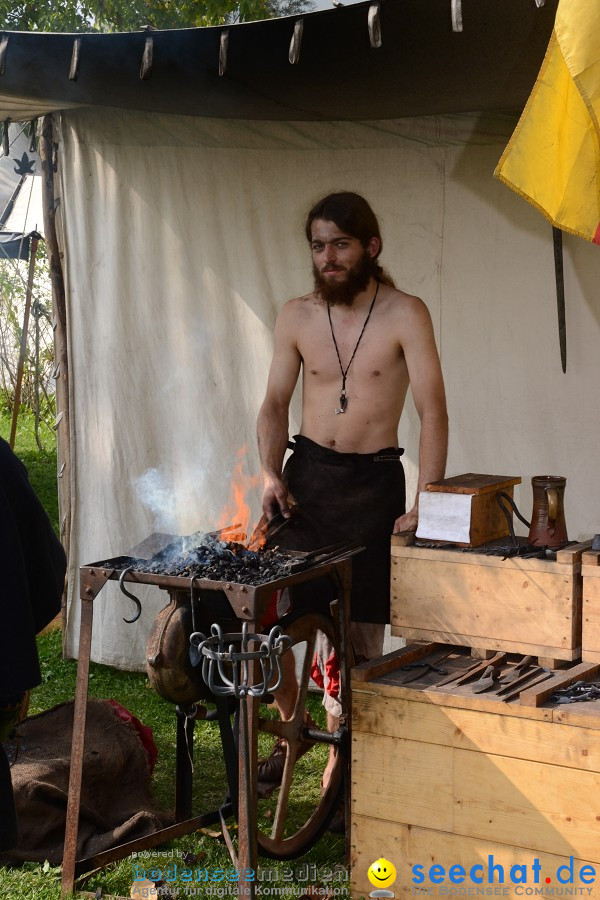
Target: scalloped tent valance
<point x="326" y="65"/>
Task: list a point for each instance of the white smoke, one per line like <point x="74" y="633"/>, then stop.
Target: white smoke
<point x="156" y="492"/>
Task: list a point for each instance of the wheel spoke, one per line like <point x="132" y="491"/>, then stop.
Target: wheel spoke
<point x="284" y="793"/>
<point x="309" y="650"/>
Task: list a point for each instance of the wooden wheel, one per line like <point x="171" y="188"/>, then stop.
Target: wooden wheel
<point x="297" y="813"/>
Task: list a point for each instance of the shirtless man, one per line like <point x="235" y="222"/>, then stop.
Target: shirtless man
<point x="359" y="341"/>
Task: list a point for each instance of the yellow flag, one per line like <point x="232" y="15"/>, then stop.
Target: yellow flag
<point x="553" y="156"/>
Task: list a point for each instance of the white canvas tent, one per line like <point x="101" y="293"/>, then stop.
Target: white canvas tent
<point x="182" y="236"/>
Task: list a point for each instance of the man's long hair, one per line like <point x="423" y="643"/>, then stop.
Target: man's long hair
<point x="352" y="215"/>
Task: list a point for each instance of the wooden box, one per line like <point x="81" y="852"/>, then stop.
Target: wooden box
<point x="529" y="606"/>
<point x="464" y="509"/>
<point x="447" y="781"/>
<point x="590" y="630"/>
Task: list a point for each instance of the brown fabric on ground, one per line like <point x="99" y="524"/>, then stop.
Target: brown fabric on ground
<point x="116" y="804"/>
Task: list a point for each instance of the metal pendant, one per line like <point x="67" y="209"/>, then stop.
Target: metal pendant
<point x="343" y="404"/>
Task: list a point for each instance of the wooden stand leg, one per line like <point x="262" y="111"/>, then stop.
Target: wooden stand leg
<point x="77" y="745"/>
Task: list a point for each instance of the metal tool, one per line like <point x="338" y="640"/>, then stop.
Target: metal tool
<point x="487" y="680"/>
<point x="515" y="691"/>
<point x="578" y="692"/>
<point x="517" y="670"/>
<point x="523" y="680"/>
<point x="474" y="670"/>
<point x="419" y="669"/>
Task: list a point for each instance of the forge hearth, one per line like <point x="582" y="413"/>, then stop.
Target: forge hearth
<point x="200" y="578"/>
<point x="205" y="563"/>
<point x="205" y="556"/>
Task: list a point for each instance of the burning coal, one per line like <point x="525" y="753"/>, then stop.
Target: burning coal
<point x="206" y="556"/>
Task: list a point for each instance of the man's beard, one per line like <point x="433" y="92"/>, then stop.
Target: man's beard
<point x="343" y="293"/>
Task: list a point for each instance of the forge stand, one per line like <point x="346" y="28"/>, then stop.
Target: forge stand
<point x="248" y="604"/>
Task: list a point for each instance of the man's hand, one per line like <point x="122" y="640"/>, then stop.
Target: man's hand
<point x="407" y="522"/>
<point x="275" y="498"/>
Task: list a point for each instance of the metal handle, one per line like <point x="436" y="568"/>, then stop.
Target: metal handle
<point x="500" y="497"/>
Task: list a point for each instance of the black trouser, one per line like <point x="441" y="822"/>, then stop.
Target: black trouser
<point x="349" y="497"/>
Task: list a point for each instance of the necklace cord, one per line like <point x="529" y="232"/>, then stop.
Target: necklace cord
<point x="342" y="370"/>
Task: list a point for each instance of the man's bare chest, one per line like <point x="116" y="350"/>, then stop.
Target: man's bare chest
<point x="377" y="353"/>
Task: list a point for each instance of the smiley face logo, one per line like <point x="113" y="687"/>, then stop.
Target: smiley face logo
<point x="382" y="873"/>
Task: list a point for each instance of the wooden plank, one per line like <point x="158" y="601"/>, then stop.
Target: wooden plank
<point x="590" y="629"/>
<point x="481" y="653"/>
<point x="591" y="558"/>
<point x="474" y="605"/>
<point x="545" y="808"/>
<point x="460" y="557"/>
<point x="373" y="668"/>
<point x="370" y="839"/>
<point x="582" y="715"/>
<point x="472" y="483"/>
<point x="403" y="539"/>
<point x="422" y="796"/>
<point x="549" y="662"/>
<point x="380" y="688"/>
<point x="468" y="640"/>
<point x="535" y="696"/>
<point x="406" y="846"/>
<point x="574" y="553"/>
<point x="485" y="732"/>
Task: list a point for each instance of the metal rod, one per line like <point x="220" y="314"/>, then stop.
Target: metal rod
<point x="247" y="786"/>
<point x="183" y="765"/>
<point x="161" y="836"/>
<point x="560" y="295"/>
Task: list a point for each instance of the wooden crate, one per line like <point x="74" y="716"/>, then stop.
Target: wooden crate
<point x="529" y="606"/>
<point x="590" y="629"/>
<point x="448" y="780"/>
<point x="480" y="520"/>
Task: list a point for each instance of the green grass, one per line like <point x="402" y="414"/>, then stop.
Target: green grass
<point x="133" y="691"/>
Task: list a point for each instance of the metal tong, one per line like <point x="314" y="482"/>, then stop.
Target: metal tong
<point x="332" y="553"/>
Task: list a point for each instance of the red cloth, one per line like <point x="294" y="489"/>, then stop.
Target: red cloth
<point x="145" y="733"/>
<point x="332" y="673"/>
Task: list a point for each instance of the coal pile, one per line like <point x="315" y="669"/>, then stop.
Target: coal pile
<point x="206" y="557"/>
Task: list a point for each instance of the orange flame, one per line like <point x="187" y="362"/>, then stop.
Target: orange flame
<point x="237" y="510"/>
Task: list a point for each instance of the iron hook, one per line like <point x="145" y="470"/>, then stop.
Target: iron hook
<point x="130" y="595"/>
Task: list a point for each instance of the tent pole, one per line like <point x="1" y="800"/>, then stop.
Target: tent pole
<point x="23" y="348"/>
<point x="63" y="430"/>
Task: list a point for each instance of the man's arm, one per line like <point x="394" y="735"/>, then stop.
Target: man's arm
<point x="427" y="387"/>
<point x="272" y="426"/>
